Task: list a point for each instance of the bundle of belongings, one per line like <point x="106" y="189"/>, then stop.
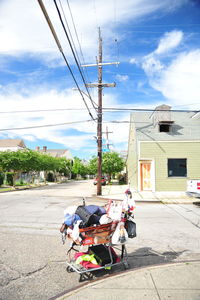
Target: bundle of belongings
<point x="93" y="224"/>
<point x="96" y="256"/>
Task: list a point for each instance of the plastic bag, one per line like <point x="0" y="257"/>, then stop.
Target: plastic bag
<point x="128" y="202"/>
<point x="130" y="226"/>
<point x="115" y="210"/>
<point x="70" y="210"/>
<point x="120" y="236"/>
<point x="75" y="232"/>
<point x="105" y="219"/>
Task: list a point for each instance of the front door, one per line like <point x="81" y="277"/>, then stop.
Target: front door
<point x="145" y="176"/>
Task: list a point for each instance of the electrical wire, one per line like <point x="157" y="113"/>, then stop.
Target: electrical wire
<point x="74" y="54"/>
<point x="113" y="109"/>
<point x="107" y="109"/>
<point x="79" y="44"/>
<point x="69" y="30"/>
<point x="47" y="125"/>
<point x="168" y="25"/>
<point x="84" y="121"/>
<point x="41" y="110"/>
<point x="63" y="55"/>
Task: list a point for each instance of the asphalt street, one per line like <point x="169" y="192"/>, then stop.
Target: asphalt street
<point x="33" y="259"/>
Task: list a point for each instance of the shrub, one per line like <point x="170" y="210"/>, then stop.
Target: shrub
<point x="10" y="178"/>
<point x="50" y="177"/>
<point x="1" y="178"/>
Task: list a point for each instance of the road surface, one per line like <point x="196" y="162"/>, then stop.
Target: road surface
<point x="33" y="259"/>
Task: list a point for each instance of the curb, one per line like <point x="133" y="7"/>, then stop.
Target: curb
<point x="76" y="289"/>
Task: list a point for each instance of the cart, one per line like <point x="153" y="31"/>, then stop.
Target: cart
<point x="98" y="235"/>
<point x="92" y="237"/>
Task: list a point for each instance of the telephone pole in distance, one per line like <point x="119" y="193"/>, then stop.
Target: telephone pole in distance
<point x="100" y="87"/>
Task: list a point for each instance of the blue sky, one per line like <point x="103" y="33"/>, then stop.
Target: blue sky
<point x="156" y="42"/>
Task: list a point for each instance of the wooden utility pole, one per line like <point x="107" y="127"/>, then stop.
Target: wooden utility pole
<point x="107" y="138"/>
<point x="100" y="87"/>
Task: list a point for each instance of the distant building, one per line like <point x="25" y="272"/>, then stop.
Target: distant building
<point x="56" y="152"/>
<point x="11" y="145"/>
<point x="123" y="154"/>
<point x="163" y="150"/>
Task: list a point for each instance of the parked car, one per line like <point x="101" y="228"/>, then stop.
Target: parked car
<point x="103" y="180"/>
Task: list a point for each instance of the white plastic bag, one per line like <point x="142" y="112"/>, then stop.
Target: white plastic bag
<point x="70" y="210"/>
<point x="120" y="236"/>
<point x="75" y="232"/>
<point x="128" y="203"/>
<point x="105" y="219"/>
<point x="115" y="210"/>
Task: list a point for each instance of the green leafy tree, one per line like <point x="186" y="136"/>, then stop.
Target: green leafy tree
<point x="63" y="166"/>
<point x="79" y="168"/>
<point x="28" y="160"/>
<point x="111" y="163"/>
<point x="92" y="166"/>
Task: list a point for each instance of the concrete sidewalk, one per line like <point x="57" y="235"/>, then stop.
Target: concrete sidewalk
<point x="117" y="191"/>
<point x="172" y="281"/>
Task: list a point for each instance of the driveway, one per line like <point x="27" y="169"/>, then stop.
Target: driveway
<point x="33" y="259"/>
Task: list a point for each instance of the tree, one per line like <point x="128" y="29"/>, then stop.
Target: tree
<point x="79" y="168"/>
<point x="111" y="163"/>
<point x="28" y="160"/>
<point x="92" y="166"/>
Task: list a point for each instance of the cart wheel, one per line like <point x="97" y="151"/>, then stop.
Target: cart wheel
<point x="126" y="266"/>
<point x="70" y="270"/>
<point x="81" y="278"/>
<point x="86" y="276"/>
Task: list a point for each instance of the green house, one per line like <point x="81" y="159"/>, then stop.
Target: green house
<point x="163" y="150"/>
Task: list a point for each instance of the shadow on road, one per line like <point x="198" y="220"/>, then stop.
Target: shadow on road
<point x="142" y="257"/>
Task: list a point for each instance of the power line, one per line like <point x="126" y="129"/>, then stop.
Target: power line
<point x="41" y="110"/>
<point x="47" y="125"/>
<point x="113" y="109"/>
<point x="107" y="109"/>
<point x="69" y="30"/>
<point x="74" y="54"/>
<point x="79" y="44"/>
<point x="147" y="31"/>
<point x="168" y="25"/>
<point x="61" y="51"/>
<point x="79" y="122"/>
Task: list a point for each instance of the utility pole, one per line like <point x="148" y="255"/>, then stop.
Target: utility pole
<point x="107" y="139"/>
<point x="99" y="117"/>
<point x="100" y="87"/>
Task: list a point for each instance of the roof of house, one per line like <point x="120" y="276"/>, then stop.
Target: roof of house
<point x="10" y="143"/>
<point x="185" y="127"/>
<point x="56" y="152"/>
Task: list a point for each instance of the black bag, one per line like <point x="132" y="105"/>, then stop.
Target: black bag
<point x="102" y="254"/>
<point x="87" y="218"/>
<point x="130" y="228"/>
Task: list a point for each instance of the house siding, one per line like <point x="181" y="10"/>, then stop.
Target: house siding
<point x="132" y="159"/>
<point x="161" y="151"/>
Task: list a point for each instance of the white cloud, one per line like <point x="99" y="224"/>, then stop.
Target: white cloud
<point x="180" y="81"/>
<point x="47" y="100"/>
<point x="170" y="41"/>
<point x="122" y="78"/>
<point x="133" y="60"/>
<point x="29" y="33"/>
<point x="151" y="65"/>
<point x="82" y="134"/>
